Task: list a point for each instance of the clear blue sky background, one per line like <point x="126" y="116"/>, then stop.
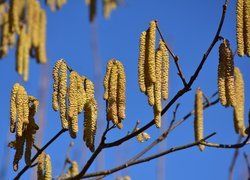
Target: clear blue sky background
<point x="188" y="27"/>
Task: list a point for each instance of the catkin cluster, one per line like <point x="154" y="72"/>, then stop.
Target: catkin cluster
<point x="44" y="168"/>
<point x="26" y="20"/>
<point x="55" y="4"/>
<point x="240" y="100"/>
<point x="74" y="99"/>
<point x="198" y="118"/>
<point x="143" y="136"/>
<point x="243" y="27"/>
<point x="123" y="178"/>
<point x="153" y="68"/>
<point x="226" y="75"/>
<point x="115" y="92"/>
<point x="108" y="7"/>
<point x="22" y="111"/>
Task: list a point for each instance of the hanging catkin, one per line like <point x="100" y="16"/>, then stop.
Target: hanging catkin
<point x="198" y="118"/>
<point x="36" y="25"/>
<point x="240" y="100"/>
<point x="141" y="64"/>
<point x="90" y="117"/>
<point x="73" y="169"/>
<point x="151" y="51"/>
<point x="47" y="168"/>
<point x="106" y="79"/>
<point x="42" y="57"/>
<point x="55" y="74"/>
<point x="20" y="51"/>
<point x="81" y="94"/>
<point x="157" y="117"/>
<point x="15" y="6"/>
<point x="44" y="168"/>
<point x="13" y="110"/>
<point x="239" y="27"/>
<point x="112" y="101"/>
<point x="157" y="89"/>
<point x="5" y="34"/>
<point x="73" y="105"/>
<point x="226" y="75"/>
<point x="40" y="166"/>
<point x="26" y="51"/>
<point x="165" y="70"/>
<point x="246" y="30"/>
<point x="121" y="92"/>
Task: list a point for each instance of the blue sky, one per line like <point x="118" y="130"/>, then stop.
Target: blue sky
<point x="188" y="27"/>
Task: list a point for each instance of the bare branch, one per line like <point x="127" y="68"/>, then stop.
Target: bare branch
<point x="248" y="164"/>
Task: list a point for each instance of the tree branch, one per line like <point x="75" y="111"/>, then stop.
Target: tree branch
<point x="39" y="152"/>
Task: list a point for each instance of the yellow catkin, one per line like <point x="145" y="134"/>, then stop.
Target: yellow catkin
<point x="36" y="25"/>
<point x="20" y="51"/>
<point x="13" y="110"/>
<point x="47" y="168"/>
<point x="112" y="101"/>
<point x="31" y="128"/>
<point x="106" y="79"/>
<point x="92" y="10"/>
<point x="90" y="90"/>
<point x="240" y="100"/>
<point x="25" y="99"/>
<point x="15" y="6"/>
<point x="150" y="93"/>
<point x="145" y="136"/>
<point x="121" y="92"/>
<point x="90" y="120"/>
<point x="42" y="56"/>
<point x="139" y="136"/>
<point x="20" y="111"/>
<point x="62" y="94"/>
<point x="26" y="52"/>
<point x="73" y="169"/>
<point x="239" y="27"/>
<point x="151" y="51"/>
<point x="165" y="70"/>
<point x="141" y="64"/>
<point x="40" y="166"/>
<point x="55" y="75"/>
<point x="30" y="18"/>
<point x="157" y="117"/>
<point x="73" y="105"/>
<point x="246" y="30"/>
<point x="157" y="89"/>
<point x="5" y="35"/>
<point x="230" y="92"/>
<point x="81" y="94"/>
<point x="198" y="118"/>
<point x="19" y="151"/>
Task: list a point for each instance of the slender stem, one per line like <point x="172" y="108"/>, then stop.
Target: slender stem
<point x="171" y="150"/>
<point x="39" y="152"/>
<point x="248" y="164"/>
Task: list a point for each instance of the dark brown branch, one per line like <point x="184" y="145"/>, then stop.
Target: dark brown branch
<point x="39" y="152"/>
<point x="176" y="58"/>
<point x="171" y="150"/>
<point x="235" y="156"/>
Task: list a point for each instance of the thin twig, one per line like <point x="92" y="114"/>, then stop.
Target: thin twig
<point x="248" y="164"/>
<point x="171" y="150"/>
<point x="235" y="156"/>
<point x="67" y="158"/>
<point x="176" y="58"/>
<point x="33" y="165"/>
<point x="39" y="152"/>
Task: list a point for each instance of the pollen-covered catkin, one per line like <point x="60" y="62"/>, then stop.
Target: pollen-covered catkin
<point x="19" y="151"/>
<point x="15" y="6"/>
<point x="47" y="168"/>
<point x="151" y="51"/>
<point x="230" y="92"/>
<point x="121" y="92"/>
<point x="35" y="27"/>
<point x="73" y="169"/>
<point x="106" y="79"/>
<point x="239" y="27"/>
<point x="164" y="70"/>
<point x="90" y="117"/>
<point x="157" y="117"/>
<point x="141" y="64"/>
<point x="240" y="100"/>
<point x="13" y="104"/>
<point x="40" y="166"/>
<point x="246" y="30"/>
<point x="157" y="89"/>
<point x="198" y="118"/>
<point x="73" y="105"/>
<point x="26" y="52"/>
<point x="20" y="110"/>
<point x="42" y="57"/>
<point x="81" y="94"/>
<point x="5" y="35"/>
<point x="20" y="50"/>
<point x="112" y="101"/>
<point x="55" y="74"/>
<point x="62" y="94"/>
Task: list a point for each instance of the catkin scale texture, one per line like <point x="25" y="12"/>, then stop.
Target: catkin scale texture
<point x="13" y="110"/>
<point x="40" y="166"/>
<point x="151" y="51"/>
<point x="42" y="57"/>
<point x="121" y="92"/>
<point x="20" y="114"/>
<point x="165" y="70"/>
<point x="81" y="94"/>
<point x="157" y="117"/>
<point x="141" y="64"/>
<point x="198" y="118"/>
<point x="47" y="168"/>
<point x="239" y="27"/>
<point x="106" y="79"/>
<point x="157" y="89"/>
<point x="239" y="107"/>
<point x="246" y="28"/>
<point x="55" y="75"/>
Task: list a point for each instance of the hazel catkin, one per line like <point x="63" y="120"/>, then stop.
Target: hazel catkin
<point x="121" y="92"/>
<point x="106" y="79"/>
<point x="198" y="118"/>
<point x="239" y="27"/>
<point x="157" y="89"/>
<point x="13" y="110"/>
<point x="141" y="64"/>
<point x="151" y="51"/>
<point x="246" y="28"/>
